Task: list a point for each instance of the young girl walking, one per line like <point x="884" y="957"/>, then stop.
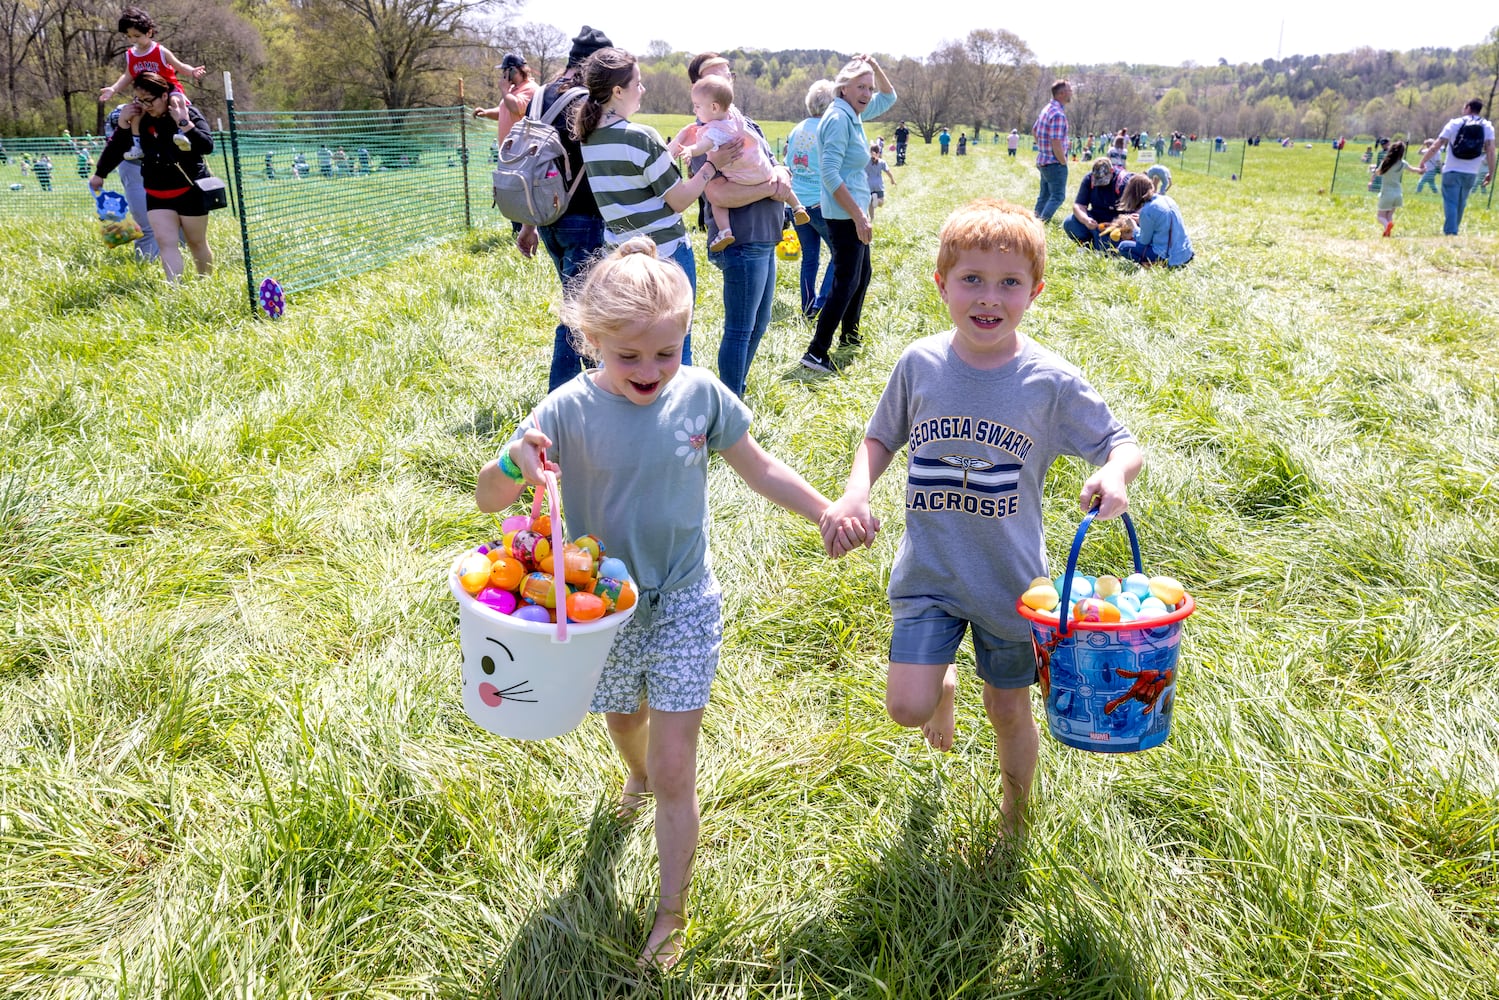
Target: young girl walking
<point x="632" y="439"/>
<point x="1391" y="171"/>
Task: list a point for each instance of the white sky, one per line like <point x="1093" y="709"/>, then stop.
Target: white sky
<point x="1060" y="31"/>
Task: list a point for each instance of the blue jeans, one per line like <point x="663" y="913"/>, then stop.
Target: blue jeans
<point x="1053" y="190"/>
<point x="1456" y="186"/>
<point x="810" y="235"/>
<point x="572" y="241"/>
<point x="1092" y="238"/>
<point x="1140" y="253"/>
<point x="682" y="255"/>
<point x="749" y="291"/>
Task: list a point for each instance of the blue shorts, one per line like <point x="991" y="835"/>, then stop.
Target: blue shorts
<point x="933" y="636"/>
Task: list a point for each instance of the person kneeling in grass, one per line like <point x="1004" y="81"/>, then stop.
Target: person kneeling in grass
<point x="984" y="411"/>
<point x="1160" y="233"/>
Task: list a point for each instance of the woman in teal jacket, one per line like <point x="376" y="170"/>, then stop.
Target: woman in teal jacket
<point x="843" y="151"/>
<point x="1161" y="234"/>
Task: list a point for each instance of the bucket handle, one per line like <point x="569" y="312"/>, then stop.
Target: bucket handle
<point x="554" y="505"/>
<point x="1077" y="547"/>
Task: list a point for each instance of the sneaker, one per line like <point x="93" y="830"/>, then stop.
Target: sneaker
<point x="1389" y="227"/>
<point x="134" y="154"/>
<point x="724" y="241"/>
<point x="812" y="361"/>
<point x="182" y="142"/>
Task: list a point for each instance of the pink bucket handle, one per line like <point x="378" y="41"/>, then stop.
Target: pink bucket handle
<point x="554" y="505"/>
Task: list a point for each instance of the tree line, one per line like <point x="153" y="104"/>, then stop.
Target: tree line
<point x="370" y="54"/>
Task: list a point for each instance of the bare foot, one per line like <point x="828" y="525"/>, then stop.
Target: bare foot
<point x="631" y="798"/>
<point x="940" y="729"/>
<point x="663" y="948"/>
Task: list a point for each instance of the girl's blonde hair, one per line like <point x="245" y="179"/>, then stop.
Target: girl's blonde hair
<point x="630" y="287"/>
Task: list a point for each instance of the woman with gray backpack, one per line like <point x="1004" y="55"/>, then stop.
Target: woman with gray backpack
<point x="575" y="236"/>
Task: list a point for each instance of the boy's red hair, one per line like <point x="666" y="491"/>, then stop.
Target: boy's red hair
<point x="992" y="224"/>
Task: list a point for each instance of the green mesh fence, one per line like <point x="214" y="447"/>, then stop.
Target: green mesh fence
<point x="1352" y="175"/>
<point x="330" y="194"/>
<point x="1206" y="156"/>
<point x="46" y="179"/>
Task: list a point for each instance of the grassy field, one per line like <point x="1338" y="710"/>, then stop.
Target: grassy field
<point x="233" y="761"/>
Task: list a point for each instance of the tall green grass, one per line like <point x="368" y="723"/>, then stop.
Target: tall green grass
<point x="233" y="760"/>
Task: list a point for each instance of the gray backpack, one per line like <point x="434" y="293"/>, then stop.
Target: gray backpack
<point x="531" y="183"/>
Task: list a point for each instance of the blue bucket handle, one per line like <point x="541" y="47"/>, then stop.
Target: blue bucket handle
<point x="1077" y="546"/>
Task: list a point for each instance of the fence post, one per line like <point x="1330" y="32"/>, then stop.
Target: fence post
<point x="1332" y="187"/>
<point x="244" y="224"/>
<point x="468" y="219"/>
<point x="1209" y="170"/>
<point x="1243" y="152"/>
<point x="229" y="178"/>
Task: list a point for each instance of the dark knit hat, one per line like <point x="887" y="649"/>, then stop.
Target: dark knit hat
<point x="588" y="41"/>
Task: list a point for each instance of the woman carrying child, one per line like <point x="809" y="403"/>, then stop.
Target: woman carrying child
<point x="1391" y="172"/>
<point x="634" y="436"/>
<point x="167" y="172"/>
<point x="634" y="180"/>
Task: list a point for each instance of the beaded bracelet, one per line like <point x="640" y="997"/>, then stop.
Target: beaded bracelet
<point x="509" y="468"/>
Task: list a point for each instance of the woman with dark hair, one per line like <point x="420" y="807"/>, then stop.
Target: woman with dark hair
<point x="1160" y="233"/>
<point x="167" y="172"/>
<point x="634" y="181"/>
<point x="843" y="152"/>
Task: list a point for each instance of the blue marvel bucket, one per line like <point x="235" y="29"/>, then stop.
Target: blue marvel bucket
<point x="1109" y="686"/>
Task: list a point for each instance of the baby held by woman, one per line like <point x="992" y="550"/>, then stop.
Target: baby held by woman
<point x="713" y="103"/>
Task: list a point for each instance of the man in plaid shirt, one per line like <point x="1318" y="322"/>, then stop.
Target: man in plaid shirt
<point x="1050" y="131"/>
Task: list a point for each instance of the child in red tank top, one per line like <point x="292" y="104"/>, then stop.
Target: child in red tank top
<point x="147" y="55"/>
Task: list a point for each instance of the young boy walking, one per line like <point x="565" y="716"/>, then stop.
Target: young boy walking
<point x="983" y="411"/>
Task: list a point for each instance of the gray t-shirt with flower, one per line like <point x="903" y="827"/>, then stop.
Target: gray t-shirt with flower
<point x="637" y="476"/>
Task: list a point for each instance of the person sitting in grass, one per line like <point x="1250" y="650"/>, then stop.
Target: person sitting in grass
<point x="631" y="312"/>
<point x="1160" y="231"/>
<point x="983" y="411"/>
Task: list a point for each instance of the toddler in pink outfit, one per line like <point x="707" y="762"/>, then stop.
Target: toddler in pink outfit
<point x="713" y="103"/>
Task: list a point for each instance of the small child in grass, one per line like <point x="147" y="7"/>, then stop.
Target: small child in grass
<point x="1391" y="171"/>
<point x="983" y="412"/>
<point x="633" y="437"/>
<point x="147" y="55"/>
<point x="713" y="103"/>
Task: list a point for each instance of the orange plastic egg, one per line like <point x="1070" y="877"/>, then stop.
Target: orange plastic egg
<point x="543" y="525"/>
<point x="1093" y="609"/>
<point x="473" y="572"/>
<point x="577" y="565"/>
<point x="584" y="607"/>
<point x="506" y="573"/>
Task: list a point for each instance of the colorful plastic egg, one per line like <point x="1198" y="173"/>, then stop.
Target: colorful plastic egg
<point x="543" y="526"/>
<point x="503" y="601"/>
<point x="577" y="565"/>
<point x="584" y="607"/>
<point x="591" y="544"/>
<point x="473" y="572"/>
<point x="1094" y="609"/>
<point x="614" y="568"/>
<point x="1107" y="586"/>
<point x="1168" y="589"/>
<point x="523" y="544"/>
<point x="539" y="588"/>
<point x="1041" y="597"/>
<point x="515" y="522"/>
<point x="1152" y="607"/>
<point x="1127" y="602"/>
<point x="533" y="613"/>
<point x="617" y="594"/>
<point x="1137" y="584"/>
<point x="506" y="573"/>
<point x="1080" y="588"/>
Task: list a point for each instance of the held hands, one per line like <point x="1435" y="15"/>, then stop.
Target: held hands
<point x="846" y="524"/>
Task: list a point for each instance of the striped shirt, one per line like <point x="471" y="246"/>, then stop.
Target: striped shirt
<point x="1051" y="125"/>
<point x="630" y="172"/>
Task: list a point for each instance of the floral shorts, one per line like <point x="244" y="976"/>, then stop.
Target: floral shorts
<point x="667" y="653"/>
